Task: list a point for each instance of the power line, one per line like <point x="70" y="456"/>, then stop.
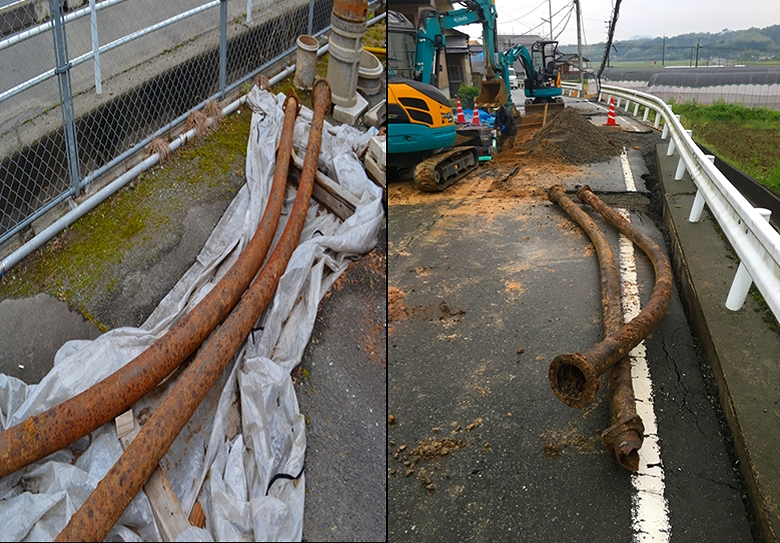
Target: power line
<point x="565" y="24"/>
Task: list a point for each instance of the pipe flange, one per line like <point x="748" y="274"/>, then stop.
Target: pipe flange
<point x="573" y="380"/>
<point x="292" y="94"/>
<point x="623" y="441"/>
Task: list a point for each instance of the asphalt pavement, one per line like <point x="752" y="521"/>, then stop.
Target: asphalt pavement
<point x="488" y="282"/>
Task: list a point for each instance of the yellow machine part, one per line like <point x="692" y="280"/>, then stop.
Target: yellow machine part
<point x="419" y="106"/>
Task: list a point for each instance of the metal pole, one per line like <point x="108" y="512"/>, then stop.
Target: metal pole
<point x="311" y="17"/>
<point x="248" y="11"/>
<point x="579" y="47"/>
<point x="95" y="46"/>
<point x="222" y="48"/>
<point x="62" y="70"/>
<point x="549" y="5"/>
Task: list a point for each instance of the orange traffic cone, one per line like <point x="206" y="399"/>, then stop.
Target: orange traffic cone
<point x="475" y="117"/>
<point x="611" y="116"/>
<point x="461" y="119"/>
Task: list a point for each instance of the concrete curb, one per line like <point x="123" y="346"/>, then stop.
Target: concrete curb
<point x="740" y="346"/>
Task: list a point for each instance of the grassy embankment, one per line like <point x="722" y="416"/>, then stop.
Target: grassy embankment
<point x="748" y="138"/>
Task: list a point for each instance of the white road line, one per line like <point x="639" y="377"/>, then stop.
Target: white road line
<point x="627" y="175"/>
<point x="649" y="509"/>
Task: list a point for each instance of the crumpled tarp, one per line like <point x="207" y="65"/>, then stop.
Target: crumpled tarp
<point x="249" y="427"/>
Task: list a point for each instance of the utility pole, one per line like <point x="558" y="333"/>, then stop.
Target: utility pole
<point x="579" y="47"/>
<point x="549" y="4"/>
<point x="663" y="52"/>
<point x="698" y="45"/>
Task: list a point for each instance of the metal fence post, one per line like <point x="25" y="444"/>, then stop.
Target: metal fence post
<point x="62" y="69"/>
<point x="311" y="17"/>
<point x="95" y="46"/>
<point x="222" y="48"/>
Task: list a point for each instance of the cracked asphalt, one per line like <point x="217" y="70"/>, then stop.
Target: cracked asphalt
<point x="485" y="289"/>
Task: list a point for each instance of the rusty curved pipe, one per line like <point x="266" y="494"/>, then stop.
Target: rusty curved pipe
<point x="47" y="432"/>
<point x="574" y="377"/>
<point x="114" y="493"/>
<point x="624" y="437"/>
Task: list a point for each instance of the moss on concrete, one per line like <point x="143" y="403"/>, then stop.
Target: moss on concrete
<point x="80" y="265"/>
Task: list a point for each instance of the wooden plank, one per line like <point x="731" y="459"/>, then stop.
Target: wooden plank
<point x="326" y="191"/>
<point x="167" y="510"/>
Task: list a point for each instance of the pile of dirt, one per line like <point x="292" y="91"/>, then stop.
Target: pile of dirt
<point x="573" y="139"/>
<point x="435" y="448"/>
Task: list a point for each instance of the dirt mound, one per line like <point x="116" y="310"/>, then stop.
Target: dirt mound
<point x="573" y="139"/>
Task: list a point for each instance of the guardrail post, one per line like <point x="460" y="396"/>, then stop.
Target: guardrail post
<point x="95" y="46"/>
<point x="646" y="114"/>
<point x="657" y="120"/>
<point x="742" y="280"/>
<point x="666" y="130"/>
<point x="681" y="163"/>
<point x="628" y="104"/>
<point x="698" y="200"/>
<point x="636" y="109"/>
<point x="62" y="69"/>
<point x="222" y="48"/>
<point x="672" y="146"/>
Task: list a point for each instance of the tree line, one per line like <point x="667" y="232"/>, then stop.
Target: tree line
<point x="738" y="46"/>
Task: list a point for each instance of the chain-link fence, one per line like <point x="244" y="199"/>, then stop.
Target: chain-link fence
<point x="86" y="84"/>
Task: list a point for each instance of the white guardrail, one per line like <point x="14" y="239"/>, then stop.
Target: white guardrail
<point x="756" y="243"/>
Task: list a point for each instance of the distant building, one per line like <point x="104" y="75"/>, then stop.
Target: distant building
<point x="570" y="64"/>
<point x="458" y="60"/>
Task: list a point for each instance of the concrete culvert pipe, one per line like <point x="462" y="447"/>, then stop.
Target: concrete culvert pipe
<point x="370" y="72"/>
<point x="305" y="61"/>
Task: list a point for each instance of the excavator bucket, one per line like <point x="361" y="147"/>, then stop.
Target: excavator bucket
<point x="493" y="93"/>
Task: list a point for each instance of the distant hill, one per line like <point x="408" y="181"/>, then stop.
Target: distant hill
<point x="726" y="47"/>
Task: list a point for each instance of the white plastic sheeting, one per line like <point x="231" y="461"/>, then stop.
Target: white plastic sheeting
<point x="249" y="427"/>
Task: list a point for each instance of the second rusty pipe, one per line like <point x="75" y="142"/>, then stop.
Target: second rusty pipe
<point x="574" y="376"/>
<point x="624" y="437"/>
<point x="61" y="425"/>
<point x="105" y="505"/>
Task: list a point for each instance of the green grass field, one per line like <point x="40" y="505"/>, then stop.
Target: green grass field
<point x="748" y="138"/>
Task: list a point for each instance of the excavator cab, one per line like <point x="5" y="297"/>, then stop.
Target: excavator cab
<point x="543" y="55"/>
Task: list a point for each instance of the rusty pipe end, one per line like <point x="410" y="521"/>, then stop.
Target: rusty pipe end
<point x="321" y="94"/>
<point x="583" y="189"/>
<point x="355" y="11"/>
<point x="623" y="441"/>
<point x="573" y="380"/>
<point x="555" y="192"/>
<point x="291" y="94"/>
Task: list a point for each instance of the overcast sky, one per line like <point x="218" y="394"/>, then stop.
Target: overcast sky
<point x="636" y="18"/>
